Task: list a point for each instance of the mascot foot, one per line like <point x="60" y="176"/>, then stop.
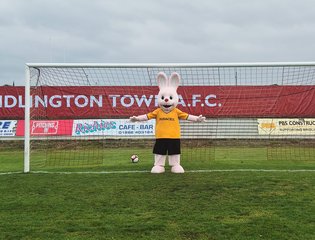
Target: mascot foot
<point x="158" y="169"/>
<point x="177" y="169"/>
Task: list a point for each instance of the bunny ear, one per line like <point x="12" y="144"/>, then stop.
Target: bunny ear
<point x="174" y="80"/>
<point x="162" y="80"/>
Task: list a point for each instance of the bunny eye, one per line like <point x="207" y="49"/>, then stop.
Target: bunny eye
<point x="171" y="97"/>
<point x="162" y="97"/>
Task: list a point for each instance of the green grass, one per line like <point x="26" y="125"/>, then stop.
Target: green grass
<point x="118" y="159"/>
<point x="11" y="160"/>
<point x="194" y="205"/>
<point x="229" y="205"/>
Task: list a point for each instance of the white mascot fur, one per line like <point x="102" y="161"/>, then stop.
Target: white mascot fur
<point x="167" y="129"/>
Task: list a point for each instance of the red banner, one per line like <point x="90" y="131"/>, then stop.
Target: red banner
<point x="125" y="101"/>
<point x="46" y="128"/>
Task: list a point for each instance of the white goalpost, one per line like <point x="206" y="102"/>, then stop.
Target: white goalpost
<point x="27" y="120"/>
<point x="76" y="114"/>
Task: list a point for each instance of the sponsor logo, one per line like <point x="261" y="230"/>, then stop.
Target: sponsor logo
<point x="112" y="127"/>
<point x="167" y="119"/>
<point x="298" y="126"/>
<point x="94" y="126"/>
<point x="8" y="128"/>
<point x="44" y="127"/>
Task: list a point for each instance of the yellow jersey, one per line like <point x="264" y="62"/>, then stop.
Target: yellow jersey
<point x="167" y="124"/>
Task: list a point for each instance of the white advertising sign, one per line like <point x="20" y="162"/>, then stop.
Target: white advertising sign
<point x="286" y="126"/>
<point x="112" y="127"/>
<point x="8" y="128"/>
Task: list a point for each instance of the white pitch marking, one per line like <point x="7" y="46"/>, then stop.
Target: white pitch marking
<point x="9" y="173"/>
<point x="187" y="171"/>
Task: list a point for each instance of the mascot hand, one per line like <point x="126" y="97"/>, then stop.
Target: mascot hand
<point x="193" y="118"/>
<point x="133" y="119"/>
<point x="201" y="118"/>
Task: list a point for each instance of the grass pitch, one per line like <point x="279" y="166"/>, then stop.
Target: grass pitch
<point x="140" y="205"/>
<point x="217" y="205"/>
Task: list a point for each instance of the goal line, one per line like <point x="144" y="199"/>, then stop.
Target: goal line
<point x="188" y="171"/>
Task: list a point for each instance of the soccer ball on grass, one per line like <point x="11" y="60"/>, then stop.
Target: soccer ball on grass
<point x="134" y="158"/>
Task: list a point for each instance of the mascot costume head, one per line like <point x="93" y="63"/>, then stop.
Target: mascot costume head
<point x="168" y="97"/>
<point x="167" y="129"/>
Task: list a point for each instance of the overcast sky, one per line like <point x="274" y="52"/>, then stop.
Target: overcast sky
<point x="153" y="31"/>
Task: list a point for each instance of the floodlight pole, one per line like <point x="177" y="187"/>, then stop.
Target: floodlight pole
<point x="27" y="121"/>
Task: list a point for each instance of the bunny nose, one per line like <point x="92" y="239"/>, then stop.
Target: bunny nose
<point x="166" y="100"/>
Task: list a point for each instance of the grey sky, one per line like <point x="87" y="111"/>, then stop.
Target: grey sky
<point x="153" y="31"/>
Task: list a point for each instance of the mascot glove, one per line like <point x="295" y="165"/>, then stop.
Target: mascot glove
<point x="133" y="119"/>
<point x="193" y="118"/>
<point x="201" y="118"/>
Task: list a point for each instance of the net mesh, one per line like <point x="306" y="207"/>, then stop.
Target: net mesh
<point x="221" y="137"/>
<point x="199" y="76"/>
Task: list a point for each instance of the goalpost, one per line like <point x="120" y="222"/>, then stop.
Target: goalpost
<point x="76" y="115"/>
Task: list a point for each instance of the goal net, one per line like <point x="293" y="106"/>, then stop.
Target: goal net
<point x="77" y="115"/>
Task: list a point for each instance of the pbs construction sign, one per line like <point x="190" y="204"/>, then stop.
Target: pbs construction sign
<point x="290" y="126"/>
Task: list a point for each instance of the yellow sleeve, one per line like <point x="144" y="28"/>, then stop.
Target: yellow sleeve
<point x="153" y="114"/>
<point x="182" y="115"/>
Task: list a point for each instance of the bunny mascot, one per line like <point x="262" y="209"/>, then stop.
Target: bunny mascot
<point x="167" y="129"/>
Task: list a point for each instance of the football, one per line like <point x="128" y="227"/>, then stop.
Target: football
<point x="134" y="158"/>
